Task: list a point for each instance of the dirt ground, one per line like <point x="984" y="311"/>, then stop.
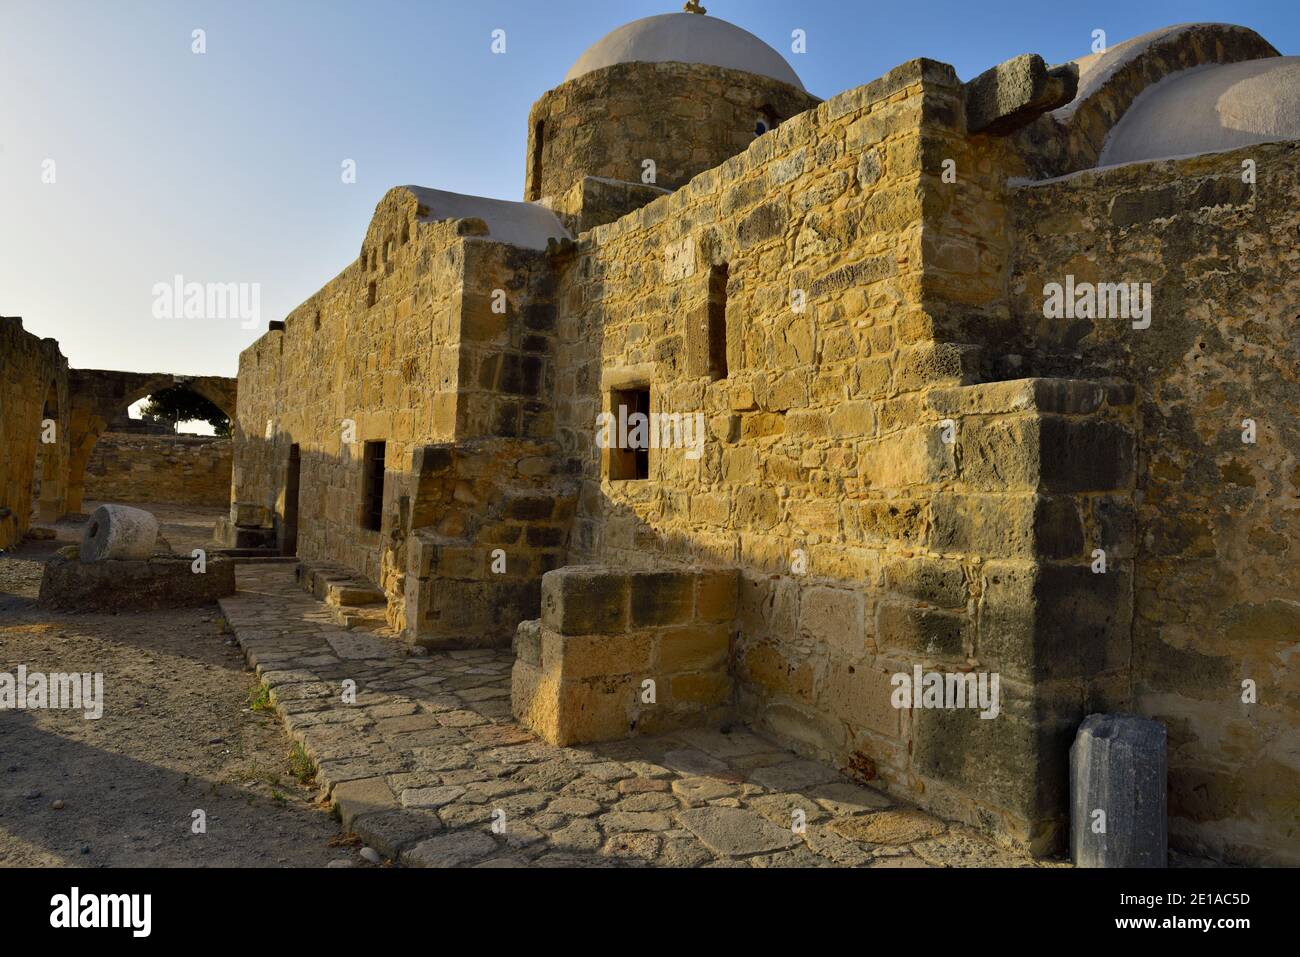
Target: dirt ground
<point x="177" y="735"/>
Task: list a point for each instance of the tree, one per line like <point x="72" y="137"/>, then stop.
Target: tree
<point x="178" y="404"/>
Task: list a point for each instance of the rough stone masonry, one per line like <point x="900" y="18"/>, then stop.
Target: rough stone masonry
<point x="908" y="464"/>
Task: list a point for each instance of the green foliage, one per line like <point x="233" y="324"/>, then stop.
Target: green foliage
<point x="301" y="765"/>
<point x="259" y="697"/>
<point x="178" y="404"/>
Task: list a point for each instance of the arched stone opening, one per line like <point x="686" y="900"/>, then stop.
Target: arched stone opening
<point x="49" y="477"/>
<point x="99" y="397"/>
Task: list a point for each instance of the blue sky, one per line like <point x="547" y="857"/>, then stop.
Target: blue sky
<point x="225" y="167"/>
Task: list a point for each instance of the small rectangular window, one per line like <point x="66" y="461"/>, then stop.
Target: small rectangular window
<point x="372" y="488"/>
<point x="629" y="451"/>
<point x="718" y="276"/>
<point x="370" y="295"/>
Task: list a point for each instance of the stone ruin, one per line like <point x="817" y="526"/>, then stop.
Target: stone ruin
<point x="52" y="421"/>
<point x="123" y="564"/>
<point x="891" y="446"/>
<point x="956" y="380"/>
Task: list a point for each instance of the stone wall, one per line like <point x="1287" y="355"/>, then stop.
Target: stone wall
<point x="186" y="470"/>
<point x="373" y="356"/>
<point x="436" y="335"/>
<point x="1217" y="521"/>
<point x="33" y="471"/>
<point x="686" y="117"/>
<point x="617" y="654"/>
<point x="866" y="543"/>
<point x="489" y="519"/>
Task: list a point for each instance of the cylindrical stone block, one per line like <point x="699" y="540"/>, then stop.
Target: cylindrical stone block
<point x="1118" y="791"/>
<point x="119" y="532"/>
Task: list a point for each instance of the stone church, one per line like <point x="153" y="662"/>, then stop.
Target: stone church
<point x="994" y="379"/>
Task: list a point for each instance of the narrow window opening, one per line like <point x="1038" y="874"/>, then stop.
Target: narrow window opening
<point x="718" y="276"/>
<point x="629" y="451"/>
<point x="371" y="294"/>
<point x="372" y="489"/>
<point x="539" y="141"/>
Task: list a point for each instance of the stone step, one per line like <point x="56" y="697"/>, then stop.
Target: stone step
<point x="370" y="618"/>
<point x="352" y="593"/>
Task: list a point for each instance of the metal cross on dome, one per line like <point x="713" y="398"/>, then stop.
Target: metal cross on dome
<point x="693" y="6"/>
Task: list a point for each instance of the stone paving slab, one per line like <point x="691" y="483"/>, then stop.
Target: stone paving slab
<point x="428" y="767"/>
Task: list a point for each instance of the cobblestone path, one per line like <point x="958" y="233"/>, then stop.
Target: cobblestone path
<point x="428" y="767"/>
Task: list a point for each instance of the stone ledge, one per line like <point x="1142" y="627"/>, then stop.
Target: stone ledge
<point x="145" y="585"/>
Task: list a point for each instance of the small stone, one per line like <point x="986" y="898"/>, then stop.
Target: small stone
<point x="371" y="855"/>
<point x="56" y="805"/>
<point x="451" y="850"/>
<point x="641" y="785"/>
<point x="734" y="831"/>
<point x="889" y="827"/>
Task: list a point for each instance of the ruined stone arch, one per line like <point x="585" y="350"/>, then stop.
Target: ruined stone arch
<point x="99" y="396"/>
<point x="49" y="477"/>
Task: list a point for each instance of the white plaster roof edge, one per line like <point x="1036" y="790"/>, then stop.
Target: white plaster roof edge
<point x="527" y="225"/>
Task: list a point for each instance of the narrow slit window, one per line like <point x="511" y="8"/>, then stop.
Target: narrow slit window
<point x="371" y="293"/>
<point x="539" y="142"/>
<point x="372" y="489"/>
<point x="718" y="277"/>
<point x="629" y="450"/>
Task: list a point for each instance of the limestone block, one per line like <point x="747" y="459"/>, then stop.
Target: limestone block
<point x="119" y="532"/>
<point x="661" y="598"/>
<point x="528" y="642"/>
<point x="247" y="515"/>
<point x="583" y="600"/>
<point x="134" y="585"/>
<point x="1012" y="94"/>
<point x="1118" y="782"/>
<point x="694" y="647"/>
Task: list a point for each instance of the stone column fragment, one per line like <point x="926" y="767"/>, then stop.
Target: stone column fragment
<point x="1118" y="784"/>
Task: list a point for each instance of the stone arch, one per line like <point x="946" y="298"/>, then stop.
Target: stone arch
<point x="49" y="477"/>
<point x="98" y="396"/>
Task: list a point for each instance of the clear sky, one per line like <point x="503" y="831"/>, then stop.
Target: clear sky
<point x="226" y="167"/>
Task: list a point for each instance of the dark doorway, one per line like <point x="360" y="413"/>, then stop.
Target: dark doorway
<point x="292" y="478"/>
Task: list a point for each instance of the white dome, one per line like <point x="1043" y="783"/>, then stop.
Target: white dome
<point x="686" y="38"/>
<point x="1209" y="108"/>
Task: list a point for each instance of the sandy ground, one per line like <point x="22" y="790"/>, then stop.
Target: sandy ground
<point x="177" y="735"/>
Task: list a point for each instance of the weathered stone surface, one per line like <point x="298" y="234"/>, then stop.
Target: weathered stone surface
<point x="179" y="469"/>
<point x="794" y="775"/>
<point x="907" y="457"/>
<point x="1012" y="94"/>
<point x="889" y="827"/>
<point x="112" y="585"/>
<point x="119" y="532"/>
<point x="1118" y="767"/>
<point x="424" y="793"/>
<point x="454" y="849"/>
<point x="735" y="832"/>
